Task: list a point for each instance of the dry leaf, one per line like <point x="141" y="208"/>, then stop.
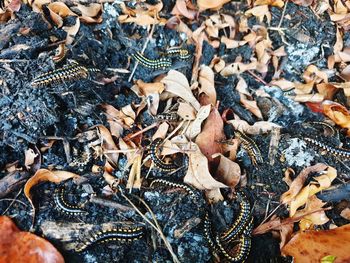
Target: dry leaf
<point x="228" y="171"/>
<point x="108" y="144"/>
<point x="181" y="8"/>
<point x="186" y="111"/>
<point x="210" y="4"/>
<point x="246" y="98"/>
<point x="311" y="246"/>
<point x="212" y="133"/>
<point x="260" y="12"/>
<point x="198" y="173"/>
<point x="298" y="183"/>
<point x="316" y="218"/>
<point x="207" y="86"/>
<point x="345" y="213"/>
<point x="323" y="182"/>
<point x="177" y="84"/>
<point x="196" y="126"/>
<point x="337" y="113"/>
<point x="29" y="157"/>
<point x="259" y="127"/>
<point x="20" y="246"/>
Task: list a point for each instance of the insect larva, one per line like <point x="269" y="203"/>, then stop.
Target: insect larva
<point x="161" y="63"/>
<point x="154" y="149"/>
<point x="63" y="206"/>
<point x="168" y="116"/>
<point x="332" y="150"/>
<point x="180" y="53"/>
<point x="116" y="234"/>
<point x="208" y="234"/>
<point x="241" y="221"/>
<point x="244" y="246"/>
<point x="169" y="183"/>
<point x="70" y="72"/>
<point x="250" y="146"/>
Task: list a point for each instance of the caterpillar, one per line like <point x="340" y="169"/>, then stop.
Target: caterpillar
<point x="241" y="221"/>
<point x="208" y="234"/>
<point x="244" y="245"/>
<point x="65" y="207"/>
<point x="168" y="116"/>
<point x="154" y="148"/>
<point x="81" y="159"/>
<point x="161" y="63"/>
<point x="70" y="72"/>
<point x="334" y="151"/>
<point x="180" y="53"/>
<point x="192" y="192"/>
<point x="116" y="234"/>
<point x="250" y="146"/>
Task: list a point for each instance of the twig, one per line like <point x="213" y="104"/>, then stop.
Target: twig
<point x="12" y="201"/>
<point x="155" y="225"/>
<point x="142" y="131"/>
<point x="143" y="50"/>
<point x="267" y="217"/>
<point x="258" y="78"/>
<point x="283" y="13"/>
<point x="109" y="203"/>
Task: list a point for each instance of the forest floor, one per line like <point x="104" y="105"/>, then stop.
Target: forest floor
<point x="98" y="127"/>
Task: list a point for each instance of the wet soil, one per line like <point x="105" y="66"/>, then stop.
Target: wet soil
<point x="28" y="116"/>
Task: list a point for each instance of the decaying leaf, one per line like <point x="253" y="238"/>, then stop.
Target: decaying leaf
<point x="246" y="98"/>
<point x="20" y="246"/>
<point x="209" y="4"/>
<point x="228" y="171"/>
<point x="108" y="144"/>
<point x="207" y="86"/>
<point x="312" y="246"/>
<point x="259" y="127"/>
<point x="212" y="133"/>
<point x="176" y="83"/>
<point x="198" y="173"/>
<point x="196" y="126"/>
<point x="337" y="113"/>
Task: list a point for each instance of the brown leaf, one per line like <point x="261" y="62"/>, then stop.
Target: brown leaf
<point x="196" y="126"/>
<point x="181" y="8"/>
<point x="337" y="113"/>
<point x="228" y="171"/>
<point x="311" y="246"/>
<point x="177" y="83"/>
<point x="108" y="144"/>
<point x="212" y="133"/>
<point x="198" y="173"/>
<point x="209" y="4"/>
<point x="299" y="181"/>
<point x="345" y="213"/>
<point x="259" y="127"/>
<point x="18" y="246"/>
<point x="207" y="86"/>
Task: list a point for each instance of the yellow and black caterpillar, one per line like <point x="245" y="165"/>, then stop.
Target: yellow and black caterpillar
<point x="345" y="153"/>
<point x="250" y="146"/>
<point x="119" y="234"/>
<point x="160" y="63"/>
<point x="65" y="207"/>
<point x="70" y="72"/>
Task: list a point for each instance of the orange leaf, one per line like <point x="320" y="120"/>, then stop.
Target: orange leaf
<point x="228" y="171"/>
<point x="337" y="113"/>
<point x="18" y="246"/>
<point x="109" y="144"/>
<point x="311" y="246"/>
<point x="210" y="4"/>
<point x="180" y="8"/>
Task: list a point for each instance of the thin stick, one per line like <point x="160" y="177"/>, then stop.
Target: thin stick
<point x="121" y="151"/>
<point x="266" y="218"/>
<point x="155" y="226"/>
<point x="143" y="50"/>
<point x="283" y="13"/>
<point x="142" y="131"/>
<point x="258" y="78"/>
